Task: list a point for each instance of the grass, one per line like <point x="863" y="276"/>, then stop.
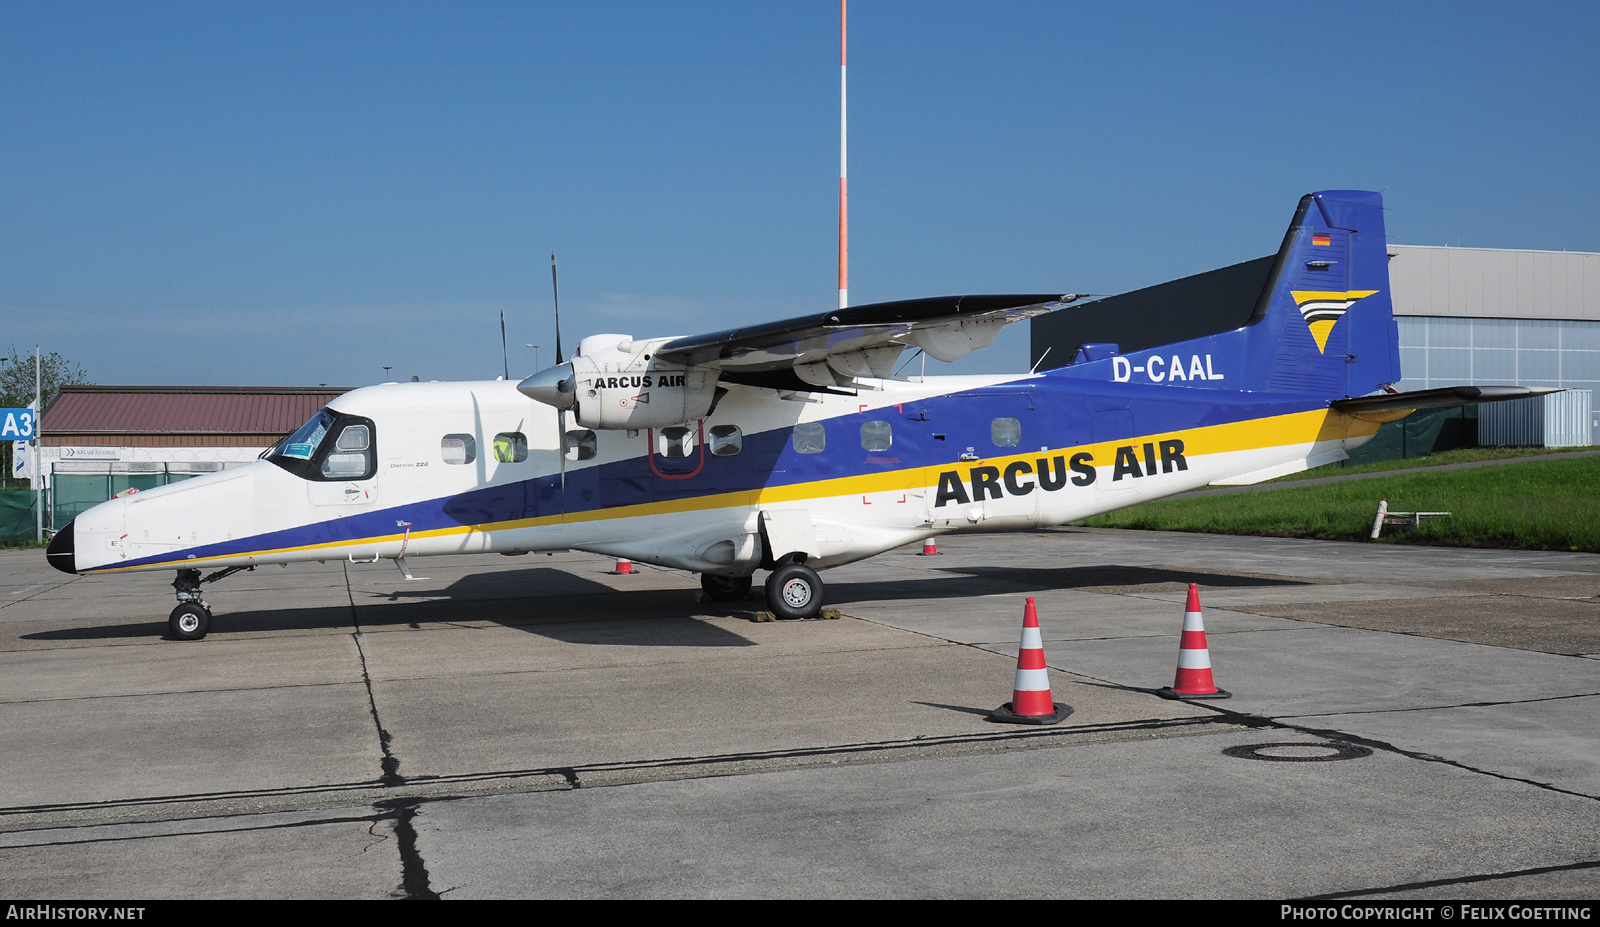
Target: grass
<point x="1538" y="505"/>
<point x="1459" y="455"/>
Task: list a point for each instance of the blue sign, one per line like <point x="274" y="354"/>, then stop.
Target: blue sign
<point x="16" y="424"/>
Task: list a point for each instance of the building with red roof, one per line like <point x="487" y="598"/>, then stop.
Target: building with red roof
<point x="99" y="441"/>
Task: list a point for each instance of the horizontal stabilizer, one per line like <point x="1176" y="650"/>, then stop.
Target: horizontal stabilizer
<point x="1434" y="398"/>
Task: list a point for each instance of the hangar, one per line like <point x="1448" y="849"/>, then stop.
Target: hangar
<point x="1466" y="316"/>
<point x="99" y="441"/>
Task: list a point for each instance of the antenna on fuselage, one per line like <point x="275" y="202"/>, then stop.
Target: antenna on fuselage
<point x="505" y="360"/>
<point x="555" y="289"/>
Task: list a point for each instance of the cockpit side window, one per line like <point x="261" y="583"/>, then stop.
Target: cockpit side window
<point x="309" y="453"/>
<point x="351" y="457"/>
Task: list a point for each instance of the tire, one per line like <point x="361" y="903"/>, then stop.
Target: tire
<point x="189" y="622"/>
<point x="794" y="591"/>
<point x="725" y="588"/>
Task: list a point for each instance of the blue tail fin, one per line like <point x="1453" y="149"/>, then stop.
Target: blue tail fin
<point x="1327" y="301"/>
<point x="1323" y="324"/>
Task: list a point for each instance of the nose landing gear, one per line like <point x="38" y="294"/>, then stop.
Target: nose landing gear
<point x="191" y="620"/>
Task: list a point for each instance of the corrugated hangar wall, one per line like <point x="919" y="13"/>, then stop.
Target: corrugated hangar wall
<point x="1481" y="315"/>
<point x="1465" y="315"/>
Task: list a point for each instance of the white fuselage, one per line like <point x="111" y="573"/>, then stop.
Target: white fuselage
<point x="897" y="464"/>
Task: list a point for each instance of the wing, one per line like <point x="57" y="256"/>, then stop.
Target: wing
<point x="833" y="348"/>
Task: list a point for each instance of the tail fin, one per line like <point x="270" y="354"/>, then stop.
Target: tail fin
<point x="1323" y="324"/>
<point x="1327" y="304"/>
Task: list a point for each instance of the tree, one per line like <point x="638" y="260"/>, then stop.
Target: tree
<point x="16" y="386"/>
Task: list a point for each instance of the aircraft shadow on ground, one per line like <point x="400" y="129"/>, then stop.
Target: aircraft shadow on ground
<point x="559" y="605"/>
<point x="545" y="601"/>
<point x="987" y="580"/>
<point x="283" y="619"/>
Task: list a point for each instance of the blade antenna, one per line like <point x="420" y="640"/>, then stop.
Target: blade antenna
<point x="555" y="289"/>
<point x="505" y="360"/>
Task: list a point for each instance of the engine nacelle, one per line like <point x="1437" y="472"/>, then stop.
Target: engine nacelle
<point x="614" y="382"/>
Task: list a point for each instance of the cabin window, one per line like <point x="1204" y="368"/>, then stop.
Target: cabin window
<point x="876" y="436"/>
<point x="810" y="438"/>
<point x="580" y="445"/>
<point x="458" y="449"/>
<point x="351" y="456"/>
<point x="510" y="447"/>
<point x="1005" y="432"/>
<point x="726" y="440"/>
<point x="675" y="441"/>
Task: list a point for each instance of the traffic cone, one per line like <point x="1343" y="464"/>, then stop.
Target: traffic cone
<point x="929" y="548"/>
<point x="624" y="568"/>
<point x="1194" y="657"/>
<point x="1030" y="696"/>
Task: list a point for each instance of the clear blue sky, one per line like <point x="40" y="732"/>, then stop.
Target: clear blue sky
<point x="283" y="193"/>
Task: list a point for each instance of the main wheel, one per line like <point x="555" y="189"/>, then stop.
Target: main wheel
<point x="794" y="591"/>
<point x="189" y="622"/>
<point x="725" y="588"/>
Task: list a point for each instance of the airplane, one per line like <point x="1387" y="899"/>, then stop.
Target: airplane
<point x="792" y="447"/>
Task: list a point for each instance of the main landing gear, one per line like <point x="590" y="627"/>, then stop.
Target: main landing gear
<point x="793" y="590"/>
<point x="191" y="620"/>
<point x="725" y="588"/>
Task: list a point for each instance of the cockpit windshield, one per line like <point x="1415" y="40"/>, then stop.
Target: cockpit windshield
<point x="307" y="438"/>
<point x="332" y="447"/>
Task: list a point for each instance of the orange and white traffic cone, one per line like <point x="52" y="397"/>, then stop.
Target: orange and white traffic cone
<point x="624" y="568"/>
<point x="1194" y="657"/>
<point x="1030" y="696"/>
<point x="929" y="548"/>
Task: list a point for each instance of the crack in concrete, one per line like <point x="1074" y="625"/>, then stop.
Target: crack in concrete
<point x="286" y="825"/>
<point x="1259" y="721"/>
<point x="1388" y="711"/>
<point x="86" y="698"/>
<point x="50" y="587"/>
<point x="434" y="788"/>
<point x="1375" y="744"/>
<point x="391" y="763"/>
<point x="413" y="870"/>
<point x="1459" y="880"/>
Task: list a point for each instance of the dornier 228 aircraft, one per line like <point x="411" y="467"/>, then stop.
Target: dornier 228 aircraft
<point x="790" y="447"/>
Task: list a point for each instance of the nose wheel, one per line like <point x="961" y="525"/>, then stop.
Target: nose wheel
<point x="189" y="622"/>
<point x="794" y="591"/>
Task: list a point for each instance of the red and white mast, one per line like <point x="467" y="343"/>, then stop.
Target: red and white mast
<point x="844" y="198"/>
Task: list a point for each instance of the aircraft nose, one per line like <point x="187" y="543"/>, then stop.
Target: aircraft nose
<point x="60" y="552"/>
